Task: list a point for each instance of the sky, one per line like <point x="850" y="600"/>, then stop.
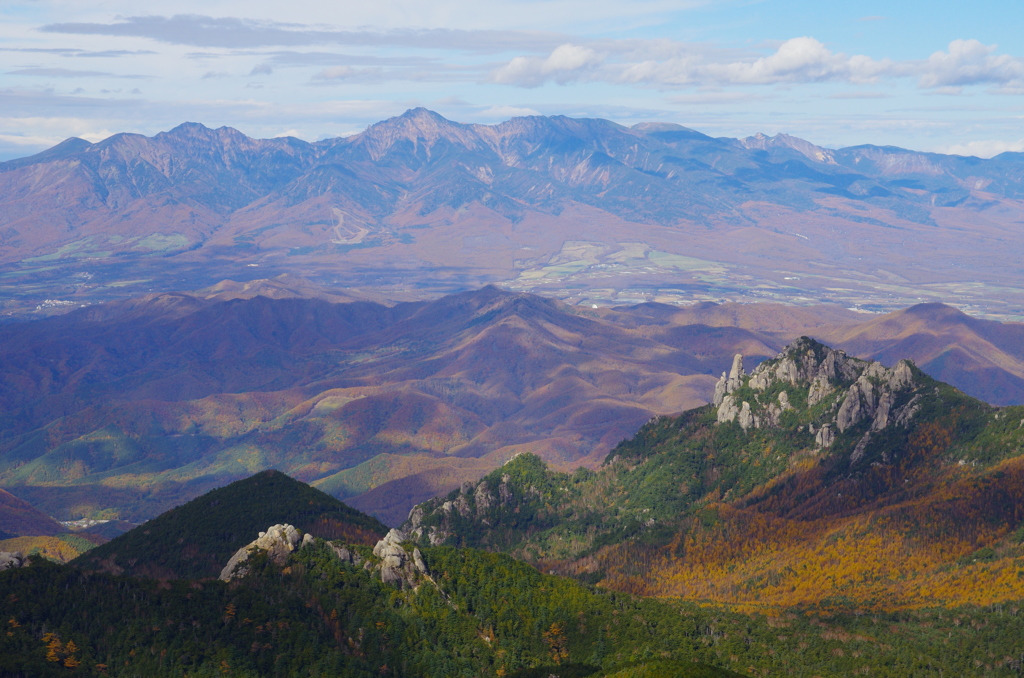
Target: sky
<point x="932" y="76"/>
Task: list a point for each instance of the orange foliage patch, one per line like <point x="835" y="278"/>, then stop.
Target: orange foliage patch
<point x="913" y="551"/>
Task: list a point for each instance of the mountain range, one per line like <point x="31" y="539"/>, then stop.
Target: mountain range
<point x="581" y="209"/>
<point x="123" y="410"/>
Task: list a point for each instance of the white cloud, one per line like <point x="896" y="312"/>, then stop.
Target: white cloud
<point x="969" y="62"/>
<point x="798" y="60"/>
<point x="565" y="63"/>
<point x="335" y="73"/>
<point x="984" y="149"/>
<point x="242" y="33"/>
<point x="505" y="112"/>
<point x="29" y="140"/>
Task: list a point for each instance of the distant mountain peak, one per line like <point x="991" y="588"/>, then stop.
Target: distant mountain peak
<point x="763" y="142"/>
<point x="659" y="127"/>
<point x="420" y="126"/>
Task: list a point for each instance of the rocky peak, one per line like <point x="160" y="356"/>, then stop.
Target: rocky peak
<point x="473" y="503"/>
<point x="836" y="392"/>
<point x="764" y="143"/>
<point x="422" y="129"/>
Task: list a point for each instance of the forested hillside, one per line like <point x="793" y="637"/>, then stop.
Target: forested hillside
<point x="818" y="479"/>
<point x="474" y="614"/>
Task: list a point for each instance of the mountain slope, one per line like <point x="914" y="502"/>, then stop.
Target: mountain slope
<point x="816" y="479"/>
<point x="982" y="357"/>
<point x="125" y="409"/>
<point x="18" y="518"/>
<point x="191" y="393"/>
<point x="196" y="539"/>
<point x="327" y="610"/>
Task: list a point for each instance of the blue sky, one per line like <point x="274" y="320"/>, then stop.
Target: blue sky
<point x="937" y="76"/>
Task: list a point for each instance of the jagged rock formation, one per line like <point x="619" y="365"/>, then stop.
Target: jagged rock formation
<point x="398" y="566"/>
<point x="473" y="503"/>
<point x="843" y="391"/>
<point x="12" y="559"/>
<point x="279" y="541"/>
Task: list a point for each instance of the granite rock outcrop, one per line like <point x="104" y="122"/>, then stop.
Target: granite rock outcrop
<point x="839" y="391"/>
<point x="12" y="559"/>
<point x="397" y="565"/>
<point x="278" y="542"/>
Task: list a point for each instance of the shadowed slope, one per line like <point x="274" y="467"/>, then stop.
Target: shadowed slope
<point x="981" y="357"/>
<point x="190" y="393"/>
<point x="18" y="518"/>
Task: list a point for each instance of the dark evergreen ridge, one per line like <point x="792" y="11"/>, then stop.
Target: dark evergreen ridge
<point x="196" y="539"/>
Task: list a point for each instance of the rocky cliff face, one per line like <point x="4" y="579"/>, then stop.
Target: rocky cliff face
<point x="394" y="564"/>
<point x="278" y="542"/>
<point x="398" y="566"/>
<point x="839" y="391"/>
<point x="472" y="503"/>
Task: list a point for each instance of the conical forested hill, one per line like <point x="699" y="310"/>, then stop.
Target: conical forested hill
<point x="196" y="539"/>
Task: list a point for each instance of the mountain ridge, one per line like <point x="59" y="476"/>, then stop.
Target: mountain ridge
<point x="386" y="407"/>
<point x="542" y="203"/>
<point x="815" y="462"/>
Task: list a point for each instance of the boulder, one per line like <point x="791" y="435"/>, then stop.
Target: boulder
<point x="279" y="541"/>
<point x="824" y="437"/>
<point x="12" y="559"/>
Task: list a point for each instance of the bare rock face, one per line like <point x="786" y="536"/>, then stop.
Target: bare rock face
<point x="12" y="559"/>
<point x="736" y="374"/>
<point x="484" y="499"/>
<point x="279" y="541"/>
<point x="504" y="491"/>
<point x="728" y="410"/>
<point x="824" y="437"/>
<point x="346" y="556"/>
<point x="820" y="389"/>
<point x="858" y="391"/>
<point x="398" y="566"/>
<point x="746" y="416"/>
<point x="721" y="389"/>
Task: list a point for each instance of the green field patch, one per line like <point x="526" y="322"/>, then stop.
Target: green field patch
<point x="72" y="249"/>
<point x="684" y="263"/>
<point x="160" y="242"/>
<point x="128" y="283"/>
